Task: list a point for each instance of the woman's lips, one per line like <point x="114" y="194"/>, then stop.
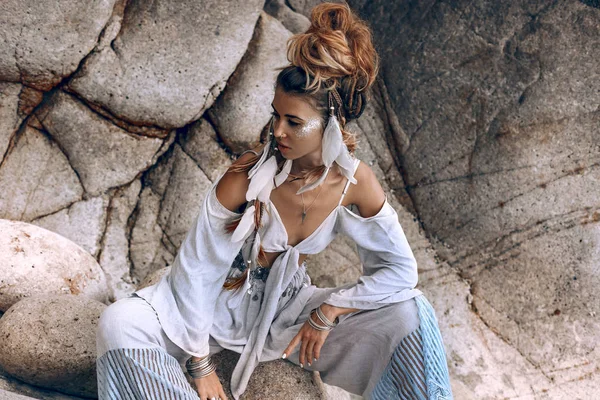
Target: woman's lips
<point x="282" y="147"/>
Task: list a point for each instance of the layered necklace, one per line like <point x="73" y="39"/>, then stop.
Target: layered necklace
<point x="304" y="208"/>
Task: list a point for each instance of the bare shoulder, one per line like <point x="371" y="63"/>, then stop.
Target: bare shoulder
<point x="367" y="194"/>
<point x="231" y="189"/>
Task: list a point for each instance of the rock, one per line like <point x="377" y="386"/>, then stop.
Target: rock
<point x="149" y="247"/>
<point x="35" y="261"/>
<point x="293" y="21"/>
<point x="500" y="111"/>
<point x="9" y="117"/>
<point x="200" y="142"/>
<point x="277" y="379"/>
<point x="168" y="61"/>
<point x="154" y="277"/>
<point x="83" y="223"/>
<point x="43" y="43"/>
<point x="244" y="107"/>
<point x="183" y="196"/>
<point x="114" y="258"/>
<point x="5" y="395"/>
<point x="168" y="206"/>
<point x="50" y="341"/>
<point x="36" y="178"/>
<point x="305" y="7"/>
<point x="103" y="154"/>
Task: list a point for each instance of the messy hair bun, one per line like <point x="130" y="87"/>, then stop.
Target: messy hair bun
<point x="337" y="50"/>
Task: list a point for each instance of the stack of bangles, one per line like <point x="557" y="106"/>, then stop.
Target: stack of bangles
<point x="200" y="369"/>
<point x="327" y="324"/>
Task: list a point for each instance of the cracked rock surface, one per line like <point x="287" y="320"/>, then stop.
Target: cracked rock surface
<point x="168" y="61"/>
<point x="43" y="43"/>
<point x="244" y="107"/>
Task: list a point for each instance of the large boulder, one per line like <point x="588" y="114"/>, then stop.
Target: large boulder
<point x="114" y="258"/>
<point x="169" y="60"/>
<point x="36" y="178"/>
<point x="83" y="223"/>
<point x="272" y="380"/>
<point x="35" y="261"/>
<point x="103" y="154"/>
<point x="50" y="341"/>
<point x="44" y="42"/>
<point x="497" y="109"/>
<point x="244" y="107"/>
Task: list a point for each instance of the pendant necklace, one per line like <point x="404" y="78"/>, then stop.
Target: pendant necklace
<point x="305" y="210"/>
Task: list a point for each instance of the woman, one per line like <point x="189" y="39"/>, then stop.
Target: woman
<point x="239" y="280"/>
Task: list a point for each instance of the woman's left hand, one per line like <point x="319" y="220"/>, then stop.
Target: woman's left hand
<point x="311" y="341"/>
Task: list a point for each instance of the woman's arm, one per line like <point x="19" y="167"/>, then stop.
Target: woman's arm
<point x="231" y="189"/>
<point x="389" y="266"/>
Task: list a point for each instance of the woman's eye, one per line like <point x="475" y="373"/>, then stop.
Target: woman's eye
<point x="274" y="114"/>
<point x="292" y="123"/>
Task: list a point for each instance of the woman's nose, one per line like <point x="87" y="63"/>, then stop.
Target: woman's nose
<point x="278" y="130"/>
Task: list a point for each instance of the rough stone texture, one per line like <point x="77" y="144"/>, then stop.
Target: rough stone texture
<point x="201" y="143"/>
<point x="83" y="223"/>
<point x="35" y="261"/>
<point x="50" y="341"/>
<point x="499" y="105"/>
<point x="274" y="380"/>
<point x="15" y="386"/>
<point x="244" y="107"/>
<point x="103" y="154"/>
<point x="9" y="117"/>
<point x="36" y="178"/>
<point x="114" y="257"/>
<point x="150" y="249"/>
<point x="168" y="206"/>
<point x="182" y="198"/>
<point x="293" y="21"/>
<point x="153" y="277"/>
<point x="169" y="60"/>
<point x="6" y="395"/>
<point x="43" y="43"/>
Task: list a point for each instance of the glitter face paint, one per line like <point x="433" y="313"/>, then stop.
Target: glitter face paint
<point x="311" y="126"/>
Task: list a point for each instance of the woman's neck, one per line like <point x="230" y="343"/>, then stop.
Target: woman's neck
<point x="305" y="163"/>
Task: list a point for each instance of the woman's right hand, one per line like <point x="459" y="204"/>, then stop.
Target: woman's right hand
<point x="209" y="387"/>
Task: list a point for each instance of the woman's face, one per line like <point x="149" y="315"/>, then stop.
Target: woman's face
<point x="297" y="127"/>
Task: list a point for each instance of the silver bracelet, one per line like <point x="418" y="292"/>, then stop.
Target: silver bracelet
<point x="200" y="369"/>
<point x="316" y="326"/>
<point x="326" y="320"/>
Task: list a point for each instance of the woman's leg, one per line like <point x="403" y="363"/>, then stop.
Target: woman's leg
<point x="379" y="354"/>
<point x="135" y="359"/>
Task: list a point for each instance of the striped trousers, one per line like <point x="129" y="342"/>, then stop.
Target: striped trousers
<point x="380" y="354"/>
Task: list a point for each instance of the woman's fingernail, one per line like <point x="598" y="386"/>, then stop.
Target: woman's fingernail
<point x="284" y="356"/>
<point x="301" y="366"/>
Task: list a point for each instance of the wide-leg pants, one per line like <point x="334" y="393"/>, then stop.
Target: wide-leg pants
<point x="376" y="353"/>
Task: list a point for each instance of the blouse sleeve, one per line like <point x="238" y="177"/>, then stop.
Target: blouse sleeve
<point x="200" y="269"/>
<point x="389" y="266"/>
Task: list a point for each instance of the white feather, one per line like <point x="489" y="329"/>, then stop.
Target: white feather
<point x="263" y="176"/>
<point x="261" y="160"/>
<point x="346" y="164"/>
<point x="246" y="225"/>
<point x="285" y="171"/>
<point x="314" y="184"/>
<point x="332" y="141"/>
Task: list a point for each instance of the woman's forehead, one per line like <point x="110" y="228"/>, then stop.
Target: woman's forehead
<point x="298" y="105"/>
